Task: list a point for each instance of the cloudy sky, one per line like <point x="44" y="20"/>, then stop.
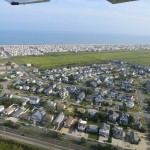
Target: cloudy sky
<point x="87" y="16"/>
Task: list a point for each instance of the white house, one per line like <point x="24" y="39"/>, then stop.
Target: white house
<point x="28" y="65"/>
<point x="130" y="104"/>
<point x="92" y="112"/>
<point x="51" y="104"/>
<point x="26" y="88"/>
<point x="34" y="100"/>
<point x="104" y="130"/>
<point x="82" y="125"/>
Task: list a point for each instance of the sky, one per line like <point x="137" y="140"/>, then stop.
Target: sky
<point x="78" y="16"/>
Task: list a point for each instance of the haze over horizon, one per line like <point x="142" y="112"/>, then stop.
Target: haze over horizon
<point x="85" y="21"/>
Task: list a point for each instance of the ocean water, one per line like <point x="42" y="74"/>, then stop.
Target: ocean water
<point x="20" y="37"/>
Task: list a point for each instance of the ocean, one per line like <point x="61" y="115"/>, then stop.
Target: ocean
<point x="29" y="38"/>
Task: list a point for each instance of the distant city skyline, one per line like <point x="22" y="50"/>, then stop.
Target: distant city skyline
<point x="78" y="16"/>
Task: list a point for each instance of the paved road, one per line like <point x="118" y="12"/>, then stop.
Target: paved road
<point x="146" y="116"/>
<point x="47" y="143"/>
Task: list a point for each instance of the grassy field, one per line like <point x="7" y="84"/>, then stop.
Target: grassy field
<point x="60" y="59"/>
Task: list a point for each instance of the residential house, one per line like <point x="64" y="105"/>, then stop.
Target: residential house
<point x="19" y="87"/>
<point x="10" y="109"/>
<point x="28" y="65"/>
<point x="51" y="104"/>
<point x="82" y="124"/>
<point x="35" y="70"/>
<point x="69" y="122"/>
<point x="7" y="95"/>
<point x="61" y="106"/>
<point x="40" y="90"/>
<point x="18" y="73"/>
<point x="39" y="83"/>
<point x="93" y="84"/>
<point x="92" y="112"/>
<point x="34" y="100"/>
<point x="63" y="93"/>
<point x="98" y="99"/>
<point x="48" y="91"/>
<point x="26" y="88"/>
<point x="59" y="119"/>
<point x="104" y="130"/>
<point x="89" y="98"/>
<point x="113" y="116"/>
<point x="92" y="129"/>
<point x="81" y="96"/>
<point x="72" y="89"/>
<point x="133" y="137"/>
<point x="38" y="115"/>
<point x="24" y="99"/>
<point x="25" y="116"/>
<point x="17" y="113"/>
<point x="47" y="118"/>
<point x="123" y="118"/>
<point x="80" y="110"/>
<point x="130" y="103"/>
<point x="52" y="85"/>
<point x="118" y="103"/>
<point x="117" y="132"/>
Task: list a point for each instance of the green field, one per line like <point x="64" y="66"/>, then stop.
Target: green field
<point x="60" y="59"/>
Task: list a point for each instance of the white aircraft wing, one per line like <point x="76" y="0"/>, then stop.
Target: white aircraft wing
<point x="18" y="2"/>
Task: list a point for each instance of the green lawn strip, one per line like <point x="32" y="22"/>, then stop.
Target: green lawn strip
<point x="29" y="131"/>
<point x="143" y="123"/>
<point x="136" y="108"/>
<point x="90" y="122"/>
<point x="93" y="136"/>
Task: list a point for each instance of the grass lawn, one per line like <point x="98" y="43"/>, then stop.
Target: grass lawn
<point x="93" y="136"/>
<point x="60" y="59"/>
<point x="136" y="108"/>
<point x="29" y="131"/>
<point x="143" y="123"/>
<point x="93" y="123"/>
<point x="68" y="113"/>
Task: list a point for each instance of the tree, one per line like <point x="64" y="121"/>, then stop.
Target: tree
<point x="9" y="101"/>
<point x="88" y="91"/>
<point x="83" y="140"/>
<point x="43" y="103"/>
<point x="109" y="139"/>
<point x="71" y="79"/>
<point x="102" y="117"/>
<point x="131" y="120"/>
<point x="143" y="130"/>
<point x="12" y="125"/>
